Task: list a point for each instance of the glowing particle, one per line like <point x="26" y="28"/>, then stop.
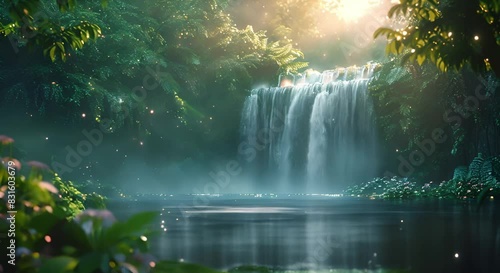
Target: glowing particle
<point x="48" y="239"/>
<point x="449" y="34"/>
<point x="144" y="238"/>
<point x="476" y="37"/>
<point x="83" y="115"/>
<point x="152" y="112"/>
<point x="456" y="255"/>
<point x="402" y="221"/>
<point x="412" y="50"/>
<point x="152" y="264"/>
<point x="46" y="138"/>
<point x="142" y="143"/>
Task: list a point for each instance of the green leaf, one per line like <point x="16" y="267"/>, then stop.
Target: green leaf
<point x="395" y="10"/>
<point x="384" y="31"/>
<point x="44" y="222"/>
<point x="175" y="267"/>
<point x="52" y="53"/>
<point x="441" y="64"/>
<point x="76" y="236"/>
<point x="136" y="224"/>
<point x="139" y="221"/>
<point x="60" y="46"/>
<point x="62" y="264"/>
<point x="420" y="59"/>
<point x="90" y="262"/>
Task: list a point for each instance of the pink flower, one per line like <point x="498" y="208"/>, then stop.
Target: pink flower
<point x="145" y="259"/>
<point x="48" y="186"/>
<point x="38" y="165"/>
<point x="6" y="140"/>
<point x="15" y="163"/>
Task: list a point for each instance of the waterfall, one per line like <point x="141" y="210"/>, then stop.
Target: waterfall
<point x="316" y="136"/>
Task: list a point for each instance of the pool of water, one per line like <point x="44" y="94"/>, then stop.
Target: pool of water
<point x="322" y="232"/>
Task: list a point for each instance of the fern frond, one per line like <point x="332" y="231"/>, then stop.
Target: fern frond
<point x="475" y="169"/>
<point x="460" y="173"/>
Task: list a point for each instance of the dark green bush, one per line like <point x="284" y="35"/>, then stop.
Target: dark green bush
<point x="479" y="180"/>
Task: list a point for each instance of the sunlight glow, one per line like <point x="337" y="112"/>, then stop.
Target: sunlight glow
<point x="349" y="10"/>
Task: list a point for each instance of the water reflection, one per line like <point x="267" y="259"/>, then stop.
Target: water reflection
<point x="314" y="233"/>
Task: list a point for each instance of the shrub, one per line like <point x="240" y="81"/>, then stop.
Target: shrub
<point x="479" y="180"/>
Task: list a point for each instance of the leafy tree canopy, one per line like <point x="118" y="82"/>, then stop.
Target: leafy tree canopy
<point x="449" y="33"/>
<point x="30" y="24"/>
<point x="189" y="57"/>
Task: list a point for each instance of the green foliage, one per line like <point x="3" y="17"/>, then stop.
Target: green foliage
<point x="460" y="173"/>
<point x="285" y="58"/>
<point x="436" y="32"/>
<point x="387" y="188"/>
<point x="71" y="198"/>
<point x="282" y="52"/>
<point x="31" y="25"/>
<point x="412" y="102"/>
<point x="94" y="242"/>
<point x="52" y="240"/>
<point x="69" y="202"/>
<point x="191" y="62"/>
<point x="74" y="200"/>
<point x="478" y="181"/>
<point x="176" y="267"/>
<point x="407" y="100"/>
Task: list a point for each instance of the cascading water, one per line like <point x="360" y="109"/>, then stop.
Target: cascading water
<point x="316" y="136"/>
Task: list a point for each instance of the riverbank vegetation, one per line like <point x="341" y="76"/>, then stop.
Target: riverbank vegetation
<point x="477" y="182"/>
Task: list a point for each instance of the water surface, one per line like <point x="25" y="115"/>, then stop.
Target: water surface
<point x="312" y="232"/>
